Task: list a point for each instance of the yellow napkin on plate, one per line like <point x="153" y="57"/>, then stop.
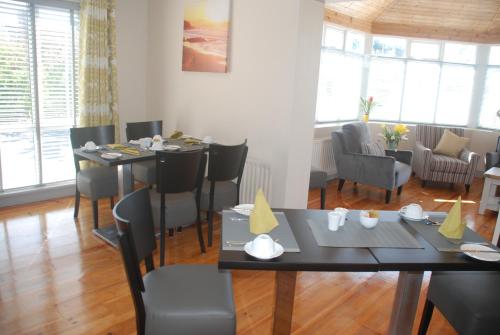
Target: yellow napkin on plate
<point x="116" y="146"/>
<point x="192" y="141"/>
<point x="131" y="151"/>
<point x="262" y="219"/>
<point x="176" y="134"/>
<point x="453" y="227"/>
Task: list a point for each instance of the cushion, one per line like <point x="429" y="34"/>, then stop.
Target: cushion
<point x="98" y="182"/>
<point x="317" y="178"/>
<point x="355" y="134"/>
<point x="403" y="173"/>
<point x="189" y="299"/>
<point x="374" y="149"/>
<point x="225" y="195"/>
<point x="450" y="144"/>
<point x="448" y="164"/>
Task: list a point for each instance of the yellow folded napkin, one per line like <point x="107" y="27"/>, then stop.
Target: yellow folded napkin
<point x="176" y="134"/>
<point x="131" y="151"/>
<point x="262" y="219"/>
<point x="192" y="141"/>
<point x="453" y="227"/>
<point x="116" y="146"/>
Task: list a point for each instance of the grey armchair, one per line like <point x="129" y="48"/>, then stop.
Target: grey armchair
<point x="440" y="168"/>
<point x="387" y="172"/>
<point x="493" y="158"/>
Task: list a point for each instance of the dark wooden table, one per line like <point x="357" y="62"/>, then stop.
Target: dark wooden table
<point x="411" y="263"/>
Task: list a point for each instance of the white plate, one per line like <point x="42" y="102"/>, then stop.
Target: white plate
<point x="244" y="209"/>
<point x="153" y="149"/>
<point x="111" y="155"/>
<point x="278" y="251"/>
<point x="172" y="147"/>
<point x="407" y="219"/>
<point x="91" y="150"/>
<point x="469" y="248"/>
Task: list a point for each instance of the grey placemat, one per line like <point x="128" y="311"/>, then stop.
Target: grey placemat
<point x="353" y="235"/>
<point x="235" y="228"/>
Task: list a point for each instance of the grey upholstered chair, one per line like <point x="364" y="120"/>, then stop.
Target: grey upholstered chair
<point x="94" y="182"/>
<point x="173" y="299"/>
<point x="387" y="172"/>
<point x="317" y="179"/>
<point x="470" y="301"/>
<point x="493" y="158"/>
<point x="439" y="168"/>
<point x="144" y="171"/>
<point x="225" y="164"/>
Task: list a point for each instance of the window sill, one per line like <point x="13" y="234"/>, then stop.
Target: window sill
<point x="36" y="193"/>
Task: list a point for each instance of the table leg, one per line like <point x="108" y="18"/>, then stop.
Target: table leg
<point x="496" y="233"/>
<point x="283" y="306"/>
<point x="125" y="180"/>
<point x="405" y="302"/>
<point x="485" y="196"/>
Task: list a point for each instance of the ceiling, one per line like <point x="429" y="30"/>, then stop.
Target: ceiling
<point x="467" y="20"/>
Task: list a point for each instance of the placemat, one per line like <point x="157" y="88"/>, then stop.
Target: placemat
<point x="235" y="229"/>
<point x="353" y="235"/>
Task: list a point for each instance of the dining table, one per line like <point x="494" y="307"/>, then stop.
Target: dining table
<point x="124" y="165"/>
<point x="411" y="262"/>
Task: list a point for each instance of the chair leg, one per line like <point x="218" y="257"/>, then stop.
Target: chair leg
<point x="95" y="213"/>
<point x="323" y="197"/>
<point x="162" y="229"/>
<point x="211" y="214"/>
<point x="426" y="317"/>
<point x="424" y="183"/>
<point x="200" y="232"/>
<point x="388" y="196"/>
<point x="355" y="184"/>
<point x="111" y="202"/>
<point x="400" y="189"/>
<point x="170" y="232"/>
<point x="179" y="229"/>
<point x="467" y="188"/>
<point x="77" y="204"/>
<point x="341" y="184"/>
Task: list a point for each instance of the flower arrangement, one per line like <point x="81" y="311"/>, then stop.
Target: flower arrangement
<point x="394" y="135"/>
<point x="366" y="106"/>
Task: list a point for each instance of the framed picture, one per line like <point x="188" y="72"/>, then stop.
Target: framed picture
<point x="206" y="30"/>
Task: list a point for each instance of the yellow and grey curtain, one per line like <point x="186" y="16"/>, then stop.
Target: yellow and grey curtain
<point x="98" y="87"/>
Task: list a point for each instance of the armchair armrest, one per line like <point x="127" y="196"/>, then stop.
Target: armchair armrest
<point x="422" y="162"/>
<point x="403" y="156"/>
<point x="492" y="159"/>
<point x="473" y="160"/>
<point x="373" y="170"/>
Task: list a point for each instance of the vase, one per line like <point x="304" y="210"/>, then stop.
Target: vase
<point x="392" y="145"/>
<point x="365" y="117"/>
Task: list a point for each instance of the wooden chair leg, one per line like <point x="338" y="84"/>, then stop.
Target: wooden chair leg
<point x="323" y="197"/>
<point x="388" y="196"/>
<point x="467" y="188"/>
<point x="170" y="232"/>
<point x="95" y="213"/>
<point x="426" y="317"/>
<point x="77" y="204"/>
<point x="111" y="202"/>
<point x="424" y="183"/>
<point x="200" y="232"/>
<point x="400" y="189"/>
<point x="341" y="184"/>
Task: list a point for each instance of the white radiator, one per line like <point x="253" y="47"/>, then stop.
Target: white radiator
<point x="255" y="175"/>
<point x="322" y="156"/>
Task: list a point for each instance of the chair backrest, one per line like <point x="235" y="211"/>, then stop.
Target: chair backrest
<point x="226" y="162"/>
<point x="354" y="135"/>
<point x="430" y="135"/>
<point x="99" y="135"/>
<point x="134" y="221"/>
<point x="339" y="150"/>
<point x="179" y="171"/>
<point x="137" y="130"/>
<point x="498" y="144"/>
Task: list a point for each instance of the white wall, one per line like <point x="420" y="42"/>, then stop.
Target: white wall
<point x="131" y="53"/>
<point x="268" y="96"/>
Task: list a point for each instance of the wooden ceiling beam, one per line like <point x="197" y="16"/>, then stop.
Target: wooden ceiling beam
<point x="347" y="21"/>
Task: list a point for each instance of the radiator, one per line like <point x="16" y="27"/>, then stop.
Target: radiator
<point x="255" y="175"/>
<point x="322" y="156"/>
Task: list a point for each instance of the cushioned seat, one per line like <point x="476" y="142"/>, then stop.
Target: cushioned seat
<point x="225" y="195"/>
<point x="448" y="164"/>
<point x="469" y="300"/>
<point x="177" y="301"/>
<point x="403" y="173"/>
<point x="98" y="182"/>
<point x="145" y="172"/>
<point x="180" y="210"/>
<point x="317" y="179"/>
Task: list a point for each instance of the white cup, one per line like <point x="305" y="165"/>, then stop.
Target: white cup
<point x="157" y="146"/>
<point x="343" y="212"/>
<point x="208" y="140"/>
<point x="263" y="246"/>
<point x="158" y="138"/>
<point x="413" y="211"/>
<point x="145" y="142"/>
<point x="90" y="145"/>
<point x="334" y="219"/>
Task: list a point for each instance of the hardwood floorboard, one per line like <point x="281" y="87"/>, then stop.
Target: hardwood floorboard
<point x="56" y="277"/>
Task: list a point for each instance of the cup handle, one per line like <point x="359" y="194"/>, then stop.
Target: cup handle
<point x="403" y="210"/>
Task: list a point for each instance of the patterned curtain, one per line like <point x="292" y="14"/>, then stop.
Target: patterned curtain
<point x="98" y="88"/>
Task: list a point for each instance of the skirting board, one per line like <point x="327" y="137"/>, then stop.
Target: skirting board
<point x="34" y="194"/>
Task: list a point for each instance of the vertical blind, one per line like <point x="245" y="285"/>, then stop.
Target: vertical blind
<point x="38" y="91"/>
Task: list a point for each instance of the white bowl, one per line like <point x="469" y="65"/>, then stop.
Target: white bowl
<point x="367" y="221"/>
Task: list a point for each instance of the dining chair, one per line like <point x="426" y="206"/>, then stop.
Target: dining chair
<point x="470" y="301"/>
<point x="173" y="299"/>
<point x="317" y="179"/>
<point x="94" y="182"/>
<point x="177" y="197"/>
<point x="144" y="171"/>
<point x="219" y="190"/>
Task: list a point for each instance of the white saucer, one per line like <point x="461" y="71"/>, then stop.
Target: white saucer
<point x="278" y="251"/>
<point x="158" y="149"/>
<point x="469" y="248"/>
<point x="91" y="150"/>
<point x="244" y="209"/>
<point x="172" y="147"/>
<point x="111" y="155"/>
<point x="408" y="219"/>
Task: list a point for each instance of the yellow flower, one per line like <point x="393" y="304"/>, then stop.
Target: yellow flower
<point x="401" y="128"/>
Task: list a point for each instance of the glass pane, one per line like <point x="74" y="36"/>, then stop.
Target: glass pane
<point x="421" y="86"/>
<point x="57" y="156"/>
<point x="494" y="55"/>
<point x="424" y="50"/>
<point x="389" y="46"/>
<point x="491" y="100"/>
<point x="339" y="87"/>
<point x="333" y="38"/>
<point x="455" y="95"/>
<point x="18" y="159"/>
<point x="355" y="42"/>
<point x="385" y="84"/>
<point x="459" y="53"/>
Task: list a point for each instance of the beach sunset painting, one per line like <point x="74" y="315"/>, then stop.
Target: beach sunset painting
<point x="206" y="28"/>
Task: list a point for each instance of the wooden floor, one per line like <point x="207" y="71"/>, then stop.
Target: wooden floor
<point x="57" y="278"/>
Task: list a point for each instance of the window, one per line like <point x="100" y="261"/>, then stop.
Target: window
<point x="459" y="53"/>
<point x="355" y="42"/>
<point x="494" y="55"/>
<point x="38" y="92"/>
<point x="333" y="38"/>
<point x="425" y="50"/>
<point x="389" y="47"/>
<point x="490" y="103"/>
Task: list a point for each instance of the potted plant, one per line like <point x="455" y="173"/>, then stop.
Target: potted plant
<point x="366" y="106"/>
<point x="394" y="135"/>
